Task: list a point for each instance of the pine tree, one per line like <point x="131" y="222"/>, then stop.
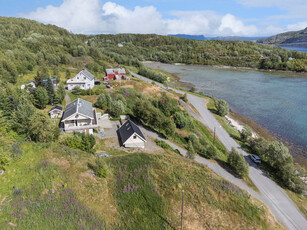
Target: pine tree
<point x="41" y="97"/>
<point x="50" y="91"/>
<point x="38" y="79"/>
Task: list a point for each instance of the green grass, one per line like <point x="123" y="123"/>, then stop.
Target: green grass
<point x="148" y="192"/>
<point x="73" y="96"/>
<point x="222" y="152"/>
<point x="34" y="195"/>
<point x="142" y="191"/>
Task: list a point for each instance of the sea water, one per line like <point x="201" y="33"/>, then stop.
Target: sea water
<point x="274" y="100"/>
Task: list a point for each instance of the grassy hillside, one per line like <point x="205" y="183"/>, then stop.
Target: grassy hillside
<point x="52" y="187"/>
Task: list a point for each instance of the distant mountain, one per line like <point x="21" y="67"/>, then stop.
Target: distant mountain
<point x="194" y="37"/>
<point x="292" y="38"/>
<point x="221" y="38"/>
<point x="236" y="38"/>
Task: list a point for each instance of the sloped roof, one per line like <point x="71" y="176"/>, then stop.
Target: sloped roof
<point x="112" y="71"/>
<point x="128" y="129"/>
<point x="79" y="105"/>
<point x="56" y="107"/>
<point x="87" y="74"/>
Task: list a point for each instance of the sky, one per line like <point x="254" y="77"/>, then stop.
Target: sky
<point x="194" y="17"/>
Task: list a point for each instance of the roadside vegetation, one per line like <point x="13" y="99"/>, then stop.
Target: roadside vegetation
<point x="276" y="159"/>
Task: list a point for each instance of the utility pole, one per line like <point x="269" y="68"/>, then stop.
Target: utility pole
<point x="214" y="136"/>
<point x="182" y="209"/>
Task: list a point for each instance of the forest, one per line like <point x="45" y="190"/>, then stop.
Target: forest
<point x="27" y="46"/>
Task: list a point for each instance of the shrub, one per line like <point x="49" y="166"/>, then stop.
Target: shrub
<point x="117" y="108"/>
<point x="222" y="107"/>
<point x="182" y="118"/>
<point x="100" y="168"/>
<point x="81" y="141"/>
<point x="184" y="97"/>
<point x="238" y="163"/>
<point x="4" y="161"/>
<point x="164" y="145"/>
<point x="102" y="102"/>
<point x="246" y="133"/>
<point x="191" y="151"/>
<point x="211" y="151"/>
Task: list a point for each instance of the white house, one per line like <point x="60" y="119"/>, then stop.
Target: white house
<point x="79" y="116"/>
<point x="131" y="135"/>
<point x="84" y="80"/>
<point x="56" y="111"/>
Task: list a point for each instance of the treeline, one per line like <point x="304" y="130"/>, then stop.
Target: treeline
<point x="26" y="44"/>
<point x="169" y="49"/>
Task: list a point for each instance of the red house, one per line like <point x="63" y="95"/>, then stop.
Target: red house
<point x="113" y="74"/>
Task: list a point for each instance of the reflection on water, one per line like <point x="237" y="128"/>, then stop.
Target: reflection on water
<point x="277" y="101"/>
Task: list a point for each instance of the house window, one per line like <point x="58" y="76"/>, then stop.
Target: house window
<point x="84" y="78"/>
<point x="134" y="137"/>
<point x="77" y="77"/>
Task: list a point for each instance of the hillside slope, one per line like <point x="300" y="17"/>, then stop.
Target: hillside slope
<point x="52" y="187"/>
<point x="293" y="38"/>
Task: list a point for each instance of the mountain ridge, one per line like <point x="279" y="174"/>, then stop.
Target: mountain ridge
<point x="291" y="38"/>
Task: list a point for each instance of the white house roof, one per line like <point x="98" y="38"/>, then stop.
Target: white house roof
<point x="83" y="72"/>
<point x="87" y="74"/>
<point x="112" y="71"/>
<point x="79" y="106"/>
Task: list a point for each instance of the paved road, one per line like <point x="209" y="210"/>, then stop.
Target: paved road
<point x="270" y="193"/>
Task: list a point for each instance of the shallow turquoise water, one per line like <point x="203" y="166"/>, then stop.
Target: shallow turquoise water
<point x="301" y="49"/>
<point x="277" y="101"/>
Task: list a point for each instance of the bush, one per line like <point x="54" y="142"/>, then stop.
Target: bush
<point x="4" y="161"/>
<point x="117" y="108"/>
<point x="183" y="118"/>
<point x="100" y="168"/>
<point x="81" y="141"/>
<point x="184" y="97"/>
<point x="164" y="145"/>
<point x="211" y="151"/>
<point x="246" y="133"/>
<point x="238" y="163"/>
<point x="191" y="151"/>
<point x="222" y="107"/>
<point x="102" y="102"/>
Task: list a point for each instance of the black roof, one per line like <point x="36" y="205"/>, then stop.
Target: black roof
<point x="128" y="129"/>
<point x="56" y="107"/>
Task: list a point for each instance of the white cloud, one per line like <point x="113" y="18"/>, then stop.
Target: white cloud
<point x="230" y="24"/>
<point x="297" y="26"/>
<point x="91" y="16"/>
<point x="292" y="8"/>
<point x="81" y="16"/>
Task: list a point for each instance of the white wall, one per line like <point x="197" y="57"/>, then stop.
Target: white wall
<point x="134" y="143"/>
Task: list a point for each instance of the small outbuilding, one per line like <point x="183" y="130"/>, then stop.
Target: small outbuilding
<point x="131" y="136"/>
<point x="56" y="111"/>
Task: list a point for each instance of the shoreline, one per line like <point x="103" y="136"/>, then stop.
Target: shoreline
<point x="239" y="121"/>
<point x="302" y="74"/>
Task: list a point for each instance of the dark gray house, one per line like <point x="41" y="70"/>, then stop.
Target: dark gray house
<point x="131" y="136"/>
